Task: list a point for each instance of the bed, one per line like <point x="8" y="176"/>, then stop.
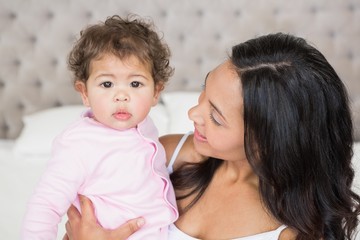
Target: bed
<point x="37" y="98"/>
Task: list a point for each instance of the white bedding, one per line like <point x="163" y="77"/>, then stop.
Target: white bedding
<point x="19" y="172"/>
<point x="18" y="179"/>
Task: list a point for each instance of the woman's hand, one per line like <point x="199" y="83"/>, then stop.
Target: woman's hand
<point x="85" y="227"/>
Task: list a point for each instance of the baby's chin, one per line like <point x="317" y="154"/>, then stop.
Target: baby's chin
<point x="122" y="127"/>
<point x="119" y="125"/>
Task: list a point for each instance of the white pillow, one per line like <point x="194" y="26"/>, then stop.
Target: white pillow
<point x="160" y="117"/>
<point x="42" y="127"/>
<point x="177" y="105"/>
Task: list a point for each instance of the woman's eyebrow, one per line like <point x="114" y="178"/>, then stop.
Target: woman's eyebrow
<point x="207" y="75"/>
<point x="206" y="79"/>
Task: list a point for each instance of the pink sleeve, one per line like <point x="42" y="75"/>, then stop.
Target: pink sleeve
<point x="55" y="192"/>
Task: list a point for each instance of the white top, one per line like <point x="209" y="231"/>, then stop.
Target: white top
<point x="176" y="152"/>
<point x="176" y="234"/>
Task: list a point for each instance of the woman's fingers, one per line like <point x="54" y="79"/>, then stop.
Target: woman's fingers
<point x="74" y="218"/>
<point x="77" y="221"/>
<point x="128" y="228"/>
<point x="68" y="231"/>
<point x="73" y="214"/>
<point x="87" y="209"/>
<point x="85" y="226"/>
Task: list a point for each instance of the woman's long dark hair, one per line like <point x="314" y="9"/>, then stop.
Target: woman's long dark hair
<point x="298" y="137"/>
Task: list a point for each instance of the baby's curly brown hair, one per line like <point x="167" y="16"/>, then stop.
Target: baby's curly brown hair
<point x="123" y="37"/>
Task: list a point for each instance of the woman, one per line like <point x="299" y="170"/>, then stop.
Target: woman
<point x="275" y="122"/>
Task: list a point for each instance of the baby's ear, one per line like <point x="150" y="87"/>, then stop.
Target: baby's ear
<point x="81" y="88"/>
<point x="158" y="89"/>
<point x="79" y="85"/>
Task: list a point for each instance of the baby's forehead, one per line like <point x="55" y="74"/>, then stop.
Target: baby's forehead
<point x="113" y="65"/>
<point x="130" y="58"/>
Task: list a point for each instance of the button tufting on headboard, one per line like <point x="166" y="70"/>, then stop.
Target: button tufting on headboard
<point x="36" y="37"/>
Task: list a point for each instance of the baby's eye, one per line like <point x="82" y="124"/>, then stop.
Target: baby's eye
<point x="135" y="84"/>
<point x="107" y="84"/>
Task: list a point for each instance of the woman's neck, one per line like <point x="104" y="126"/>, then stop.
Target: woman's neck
<point x="236" y="172"/>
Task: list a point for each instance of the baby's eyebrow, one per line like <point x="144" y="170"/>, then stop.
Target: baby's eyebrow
<point x="101" y="75"/>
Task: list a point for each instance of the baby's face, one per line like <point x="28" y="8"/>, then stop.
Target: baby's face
<point x="119" y="92"/>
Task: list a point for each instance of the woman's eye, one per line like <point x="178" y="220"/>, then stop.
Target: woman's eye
<point x="135" y="84"/>
<point x="107" y="84"/>
<point x="212" y="118"/>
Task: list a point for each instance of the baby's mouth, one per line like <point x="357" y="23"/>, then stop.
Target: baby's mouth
<point x="122" y="115"/>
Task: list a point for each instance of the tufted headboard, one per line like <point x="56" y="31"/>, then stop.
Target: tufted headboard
<point x="36" y="36"/>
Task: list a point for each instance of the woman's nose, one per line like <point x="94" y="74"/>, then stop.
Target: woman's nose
<point x="194" y="114"/>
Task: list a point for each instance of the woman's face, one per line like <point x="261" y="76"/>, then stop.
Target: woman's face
<point x="218" y="117"/>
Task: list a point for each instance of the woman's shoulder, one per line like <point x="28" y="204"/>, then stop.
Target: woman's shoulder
<point x="170" y="142"/>
<point x="288" y="234"/>
<point x="186" y="152"/>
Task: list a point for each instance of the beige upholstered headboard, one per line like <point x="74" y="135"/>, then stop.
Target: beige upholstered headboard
<point x="36" y="36"/>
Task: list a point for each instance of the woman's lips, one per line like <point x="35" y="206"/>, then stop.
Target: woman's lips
<point x="122" y="115"/>
<point x="199" y="137"/>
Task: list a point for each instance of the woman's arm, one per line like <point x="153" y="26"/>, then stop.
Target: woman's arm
<point x="85" y="227"/>
<point x="187" y="152"/>
<point x="170" y="143"/>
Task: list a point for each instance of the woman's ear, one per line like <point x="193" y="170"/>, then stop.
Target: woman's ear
<point x="80" y="86"/>
<point x="158" y="88"/>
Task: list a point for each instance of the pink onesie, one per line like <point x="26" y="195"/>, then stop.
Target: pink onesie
<point x="122" y="172"/>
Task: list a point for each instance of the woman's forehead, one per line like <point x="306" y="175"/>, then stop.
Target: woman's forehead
<point x="224" y="73"/>
<point x="224" y="86"/>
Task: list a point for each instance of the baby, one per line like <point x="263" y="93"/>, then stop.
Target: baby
<point x="112" y="154"/>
